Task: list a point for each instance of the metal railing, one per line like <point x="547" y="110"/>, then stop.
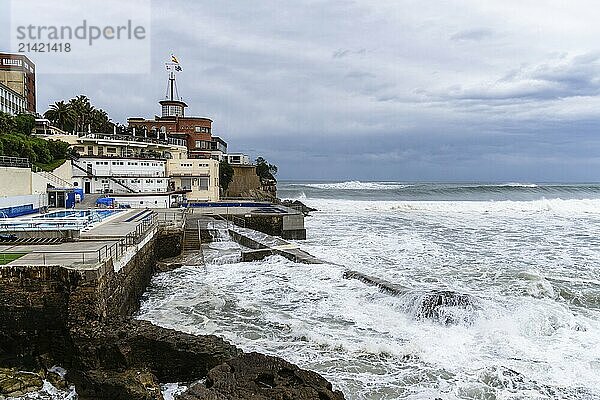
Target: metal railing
<point x="56" y="180"/>
<point x="14" y="162"/>
<point x="131" y="138"/>
<point x="171" y="218"/>
<point x="90" y="257"/>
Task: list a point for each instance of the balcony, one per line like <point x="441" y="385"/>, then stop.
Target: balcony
<point x="135" y="139"/>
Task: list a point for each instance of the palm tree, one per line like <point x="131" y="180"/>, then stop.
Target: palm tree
<point x="100" y="121"/>
<point x="61" y="115"/>
<point x="83" y="110"/>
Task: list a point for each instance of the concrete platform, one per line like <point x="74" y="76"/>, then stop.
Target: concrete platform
<point x="263" y="245"/>
<point x="110" y="238"/>
<point x="83" y="254"/>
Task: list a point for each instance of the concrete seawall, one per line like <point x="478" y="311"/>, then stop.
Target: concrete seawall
<point x="39" y="303"/>
<point x="78" y="316"/>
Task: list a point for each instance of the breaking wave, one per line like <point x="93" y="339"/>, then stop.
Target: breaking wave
<point x="357" y="185"/>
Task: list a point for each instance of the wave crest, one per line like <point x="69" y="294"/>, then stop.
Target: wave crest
<point x="356" y="185"/>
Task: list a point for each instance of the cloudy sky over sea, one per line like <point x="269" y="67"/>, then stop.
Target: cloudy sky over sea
<point x="405" y="90"/>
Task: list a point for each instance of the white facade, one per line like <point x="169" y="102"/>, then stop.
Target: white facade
<point x="11" y="102"/>
<point x="147" y="201"/>
<point x="237" y="159"/>
<point x="198" y="176"/>
<point x="120" y="175"/>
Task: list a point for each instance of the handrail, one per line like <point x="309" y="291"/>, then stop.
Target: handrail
<point x="7" y="161"/>
<point x="91" y="174"/>
<point x="106" y="252"/>
<point x="53" y="178"/>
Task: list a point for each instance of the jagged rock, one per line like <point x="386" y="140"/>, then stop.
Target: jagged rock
<point x="443" y="306"/>
<point x="15" y="383"/>
<point x="439" y="305"/>
<point x="56" y="380"/>
<point x="130" y="384"/>
<point x="298" y="205"/>
<point x="260" y="377"/>
<point x="171" y="355"/>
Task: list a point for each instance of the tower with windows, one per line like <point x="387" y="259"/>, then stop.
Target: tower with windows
<point x="172" y="105"/>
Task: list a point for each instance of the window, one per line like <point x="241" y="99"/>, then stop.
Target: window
<point x="203" y="183"/>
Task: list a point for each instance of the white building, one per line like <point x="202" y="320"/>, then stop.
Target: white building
<point x="237" y="159"/>
<point x="120" y="175"/>
<point x="141" y="170"/>
<point x="11" y="102"/>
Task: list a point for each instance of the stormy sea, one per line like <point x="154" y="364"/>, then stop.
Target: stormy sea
<point x="522" y="259"/>
<point x="524" y="256"/>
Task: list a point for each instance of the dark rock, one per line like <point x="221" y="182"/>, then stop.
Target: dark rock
<point x="298" y="205"/>
<point x="130" y="384"/>
<point x="260" y="377"/>
<point x="14" y="383"/>
<point x="444" y="306"/>
<point x="56" y="380"/>
<point x="171" y="355"/>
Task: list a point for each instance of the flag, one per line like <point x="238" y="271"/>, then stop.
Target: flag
<point x="174" y="59"/>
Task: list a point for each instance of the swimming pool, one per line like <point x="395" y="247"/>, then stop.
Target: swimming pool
<point x="102" y="214"/>
<point x="57" y="220"/>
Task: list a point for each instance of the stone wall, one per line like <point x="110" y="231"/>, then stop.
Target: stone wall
<point x="39" y="303"/>
<point x="244" y="181"/>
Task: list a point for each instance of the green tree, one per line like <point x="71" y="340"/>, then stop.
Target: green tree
<point x="7" y="123"/>
<point x="225" y="174"/>
<point x="265" y="170"/>
<point x="24" y="123"/>
<point x="79" y="115"/>
<point x="16" y="141"/>
<point x="61" y="115"/>
<point x="83" y="110"/>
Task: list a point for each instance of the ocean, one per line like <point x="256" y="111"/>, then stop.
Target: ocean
<point x="526" y="254"/>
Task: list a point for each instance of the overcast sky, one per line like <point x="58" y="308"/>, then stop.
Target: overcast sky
<point x="505" y="90"/>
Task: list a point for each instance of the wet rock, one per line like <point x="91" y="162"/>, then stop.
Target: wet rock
<point x="260" y="377"/>
<point x="130" y="384"/>
<point x="56" y="380"/>
<point x="298" y="205"/>
<point x="171" y="355"/>
<point x="444" y="306"/>
<point x="14" y="383"/>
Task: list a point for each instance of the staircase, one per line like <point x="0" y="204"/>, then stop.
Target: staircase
<point x="191" y="239"/>
<point x="91" y="175"/>
<point x="54" y="180"/>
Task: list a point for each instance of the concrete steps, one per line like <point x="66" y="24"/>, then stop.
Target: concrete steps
<point x="191" y="241"/>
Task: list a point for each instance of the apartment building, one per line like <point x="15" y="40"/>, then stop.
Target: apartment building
<point x="17" y="72"/>
<point x="198" y="177"/>
<point x="11" y="102"/>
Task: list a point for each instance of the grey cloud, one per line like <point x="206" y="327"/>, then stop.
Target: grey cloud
<point x="381" y="94"/>
<point x="554" y="79"/>
<point x="472" y="35"/>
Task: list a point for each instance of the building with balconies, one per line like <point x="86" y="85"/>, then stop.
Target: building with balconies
<point x="11" y="102"/>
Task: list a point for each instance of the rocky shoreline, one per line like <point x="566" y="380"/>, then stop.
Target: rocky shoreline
<point x="82" y="321"/>
<point x="127" y="359"/>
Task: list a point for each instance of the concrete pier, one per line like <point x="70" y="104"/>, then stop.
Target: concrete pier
<point x="262" y="245"/>
<point x="274" y="220"/>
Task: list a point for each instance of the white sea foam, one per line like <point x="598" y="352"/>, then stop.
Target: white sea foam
<point x="518" y="259"/>
<point x="357" y="185"/>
